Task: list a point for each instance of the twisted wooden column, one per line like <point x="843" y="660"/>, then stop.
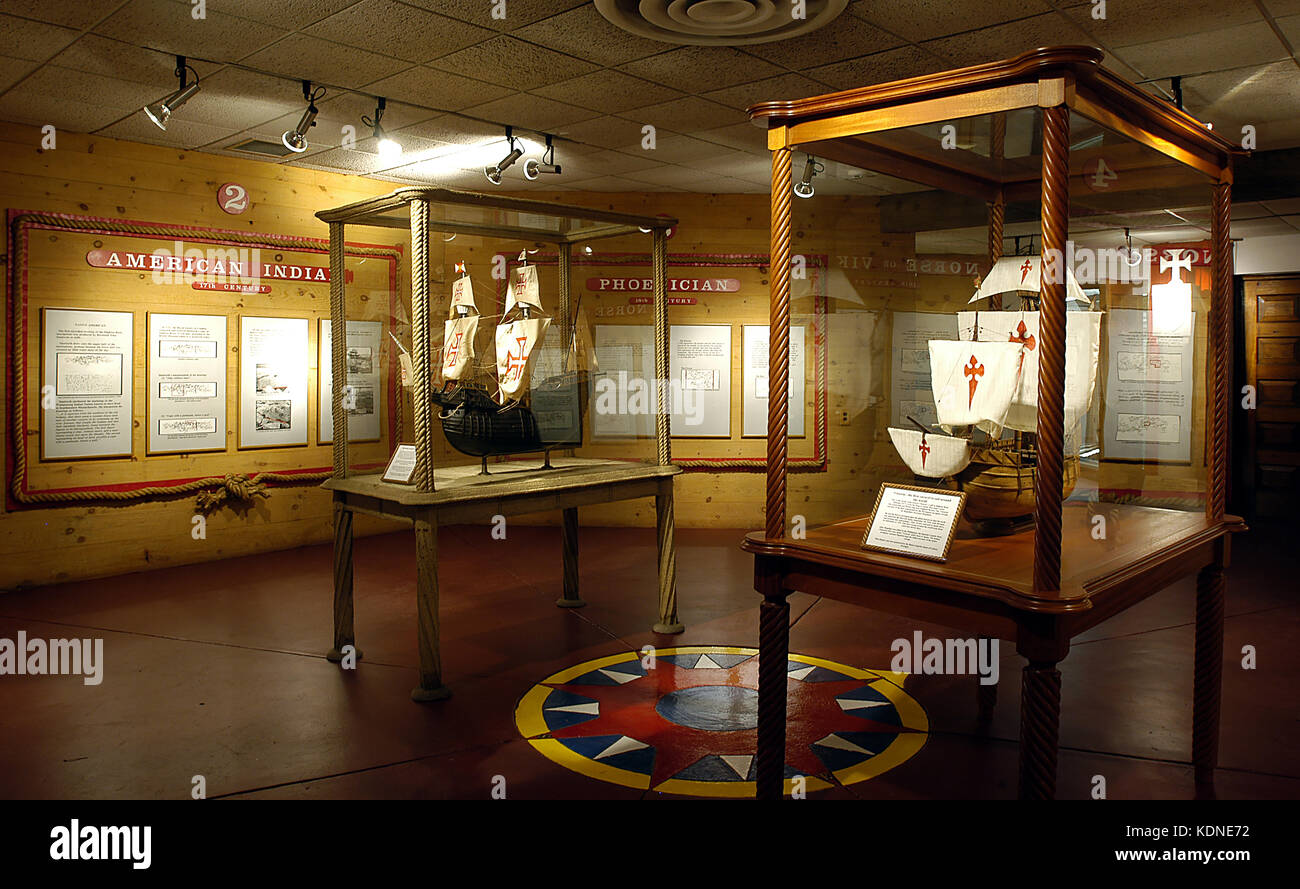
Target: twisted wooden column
<point x="1051" y="337"/>
<point x="1040" y="718"/>
<point x="779" y="344"/>
<point x="420" y="345"/>
<point x="569" y="545"/>
<point x="563" y="263"/>
<point x="1208" y="678"/>
<point x="773" y="653"/>
<point x="428" y="639"/>
<point x="997" y="216"/>
<point x="344" y="632"/>
<point x="1220" y="348"/>
<point x="663" y="415"/>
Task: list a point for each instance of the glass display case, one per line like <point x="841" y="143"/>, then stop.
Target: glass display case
<point x="1029" y="283"/>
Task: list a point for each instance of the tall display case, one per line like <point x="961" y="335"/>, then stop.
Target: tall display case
<point x="1100" y="477"/>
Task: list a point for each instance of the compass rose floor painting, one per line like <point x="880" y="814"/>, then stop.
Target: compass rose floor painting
<point x="684" y="721"/>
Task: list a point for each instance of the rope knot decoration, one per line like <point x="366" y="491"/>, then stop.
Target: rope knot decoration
<point x="234" y="487"/>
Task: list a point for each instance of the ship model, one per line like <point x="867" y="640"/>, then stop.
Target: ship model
<point x="985" y="387"/>
<point x="496" y="410"/>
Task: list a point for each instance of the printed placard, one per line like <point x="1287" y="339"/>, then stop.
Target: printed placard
<point x="187" y="383"/>
<point x="86" y="384"/>
<point x="401" y="466"/>
<point x="913" y="521"/>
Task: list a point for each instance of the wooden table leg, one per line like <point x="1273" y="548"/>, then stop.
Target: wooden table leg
<point x="344" y="634"/>
<point x="1208" y="681"/>
<point x="665" y="526"/>
<point x="773" y="661"/>
<point x="1040" y="721"/>
<point x="426" y="614"/>
<point x="569" y="543"/>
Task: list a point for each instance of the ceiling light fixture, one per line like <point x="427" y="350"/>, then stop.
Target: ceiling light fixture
<point x="804" y="187"/>
<point x="534" y="168"/>
<point x="160" y="111"/>
<point x="493" y="173"/>
<point x="389" y="149"/>
<point x="296" y="139"/>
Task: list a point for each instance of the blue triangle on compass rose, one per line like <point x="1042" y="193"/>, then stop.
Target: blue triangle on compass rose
<point x="618" y="751"/>
<point x="563" y="709"/>
<point x="715" y="768"/>
<point x="614" y="674"/>
<point x="839" y="750"/>
<point x="811" y="673"/>
<point x="867" y="703"/>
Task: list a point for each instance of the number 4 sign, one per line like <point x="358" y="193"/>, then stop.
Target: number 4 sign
<point x="1097" y="175"/>
<point x="233" y="198"/>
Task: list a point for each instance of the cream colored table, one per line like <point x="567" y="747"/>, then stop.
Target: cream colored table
<point x="462" y="494"/>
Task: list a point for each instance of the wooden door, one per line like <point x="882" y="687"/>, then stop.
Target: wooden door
<point x="1272" y="348"/>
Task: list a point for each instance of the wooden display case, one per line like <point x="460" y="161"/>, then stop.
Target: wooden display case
<point x="1040" y="586"/>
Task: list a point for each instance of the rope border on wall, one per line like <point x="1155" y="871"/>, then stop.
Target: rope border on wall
<point x="20" y="222"/>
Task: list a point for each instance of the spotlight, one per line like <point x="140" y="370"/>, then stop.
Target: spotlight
<point x="493" y="174"/>
<point x="534" y="168"/>
<point x="296" y="139"/>
<point x="804" y="187"/>
<point x="160" y="111"/>
<point x="389" y="149"/>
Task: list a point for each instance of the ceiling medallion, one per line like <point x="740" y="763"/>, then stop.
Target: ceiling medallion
<point x="719" y="22"/>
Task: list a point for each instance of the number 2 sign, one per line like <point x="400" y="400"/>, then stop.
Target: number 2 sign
<point x="233" y="198"/>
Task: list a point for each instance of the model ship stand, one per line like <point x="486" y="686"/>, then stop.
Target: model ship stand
<point x="1038" y="590"/>
<point x="458" y="493"/>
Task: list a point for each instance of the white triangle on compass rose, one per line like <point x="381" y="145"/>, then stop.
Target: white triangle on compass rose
<point x="739" y="764"/>
<point x="706" y="663"/>
<point x="801" y="673"/>
<point x="841" y="744"/>
<point x="622" y="745"/>
<point x="593" y="708"/>
<point x="618" y="677"/>
<point x="858" y="705"/>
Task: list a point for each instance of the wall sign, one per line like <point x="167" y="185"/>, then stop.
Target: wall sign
<point x="699" y="379"/>
<point x="233" y="198"/>
<point x="86" y="384"/>
<point x="246" y="268"/>
<point x="272" y="382"/>
<point x="1149" y="390"/>
<point x="755" y="374"/>
<point x="672" y="285"/>
<point x="186" y="365"/>
<point x="364" y="340"/>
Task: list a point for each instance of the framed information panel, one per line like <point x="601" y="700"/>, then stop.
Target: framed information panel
<point x="363" y="399"/>
<point x="699" y="378"/>
<point x="755" y="372"/>
<point x="272" y="382"/>
<point x="186" y="362"/>
<point x="626" y="356"/>
<point x="1149" y="388"/>
<point x="86" y="383"/>
<point x="913" y="521"/>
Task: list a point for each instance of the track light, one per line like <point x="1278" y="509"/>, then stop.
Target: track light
<point x="161" y="111"/>
<point x="534" y="168"/>
<point x="389" y="149"/>
<point x="296" y="139"/>
<point x="493" y="174"/>
<point x="804" y="188"/>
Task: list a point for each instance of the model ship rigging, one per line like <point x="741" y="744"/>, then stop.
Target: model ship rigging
<point x="493" y="410"/>
<point x="985" y="387"/>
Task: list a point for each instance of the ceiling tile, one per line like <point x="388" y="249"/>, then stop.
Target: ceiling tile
<point x="14" y="70"/>
<point x="1290" y="26"/>
<point x="395" y="29"/>
<point x="299" y="14"/>
<point x="683" y="115"/>
<point x="1235" y="47"/>
<point x="585" y="33"/>
<point x="79" y="14"/>
<point x="606" y="132"/>
<point x="237" y="99"/>
<point x="1280" y="207"/>
<point x="72" y="100"/>
<point x="1249" y="210"/>
<point x="447" y="92"/>
<point x="1145" y="21"/>
<point x="113" y="58"/>
<point x="608" y="92"/>
<point x="883" y="67"/>
<point x="607" y="163"/>
<point x="480" y="12"/>
<point x="845" y="38"/>
<point x="35" y="41"/>
<point x="300" y="56"/>
<point x="696" y="68"/>
<point x="751" y="167"/>
<point x="451" y="128"/>
<point x="533" y="112"/>
<point x="1254" y="95"/>
<point x="510" y="62"/>
<point x="616" y="184"/>
<point x="676" y="149"/>
<point x="924" y="19"/>
<point x="181" y="132"/>
<point x="672" y="174"/>
<point x="1260" y="228"/>
<point x="167" y="25"/>
<point x="1279" y="8"/>
<point x="1011" y="39"/>
<point x="744" y="136"/>
<point x="784" y="86"/>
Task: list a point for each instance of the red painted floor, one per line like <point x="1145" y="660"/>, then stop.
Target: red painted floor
<point x="217" y="670"/>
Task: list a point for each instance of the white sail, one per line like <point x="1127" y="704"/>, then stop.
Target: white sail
<point x="462" y="295"/>
<point x="516" y="343"/>
<point x="1012" y="273"/>
<point x="930" y="455"/>
<point x="973" y="382"/>
<point x="1082" y="348"/>
<point x="524" y="289"/>
<point x="458" y="345"/>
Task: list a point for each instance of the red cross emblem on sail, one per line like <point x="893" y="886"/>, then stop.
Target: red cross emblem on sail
<point x="974" y="370"/>
<point x="453" y="351"/>
<point x="1025" y="270"/>
<point x="515" y="363"/>
<point x="924" y="449"/>
<point x="1027" y="341"/>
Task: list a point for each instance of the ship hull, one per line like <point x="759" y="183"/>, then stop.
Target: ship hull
<point x="1000" y="490"/>
<point x="475" y="425"/>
